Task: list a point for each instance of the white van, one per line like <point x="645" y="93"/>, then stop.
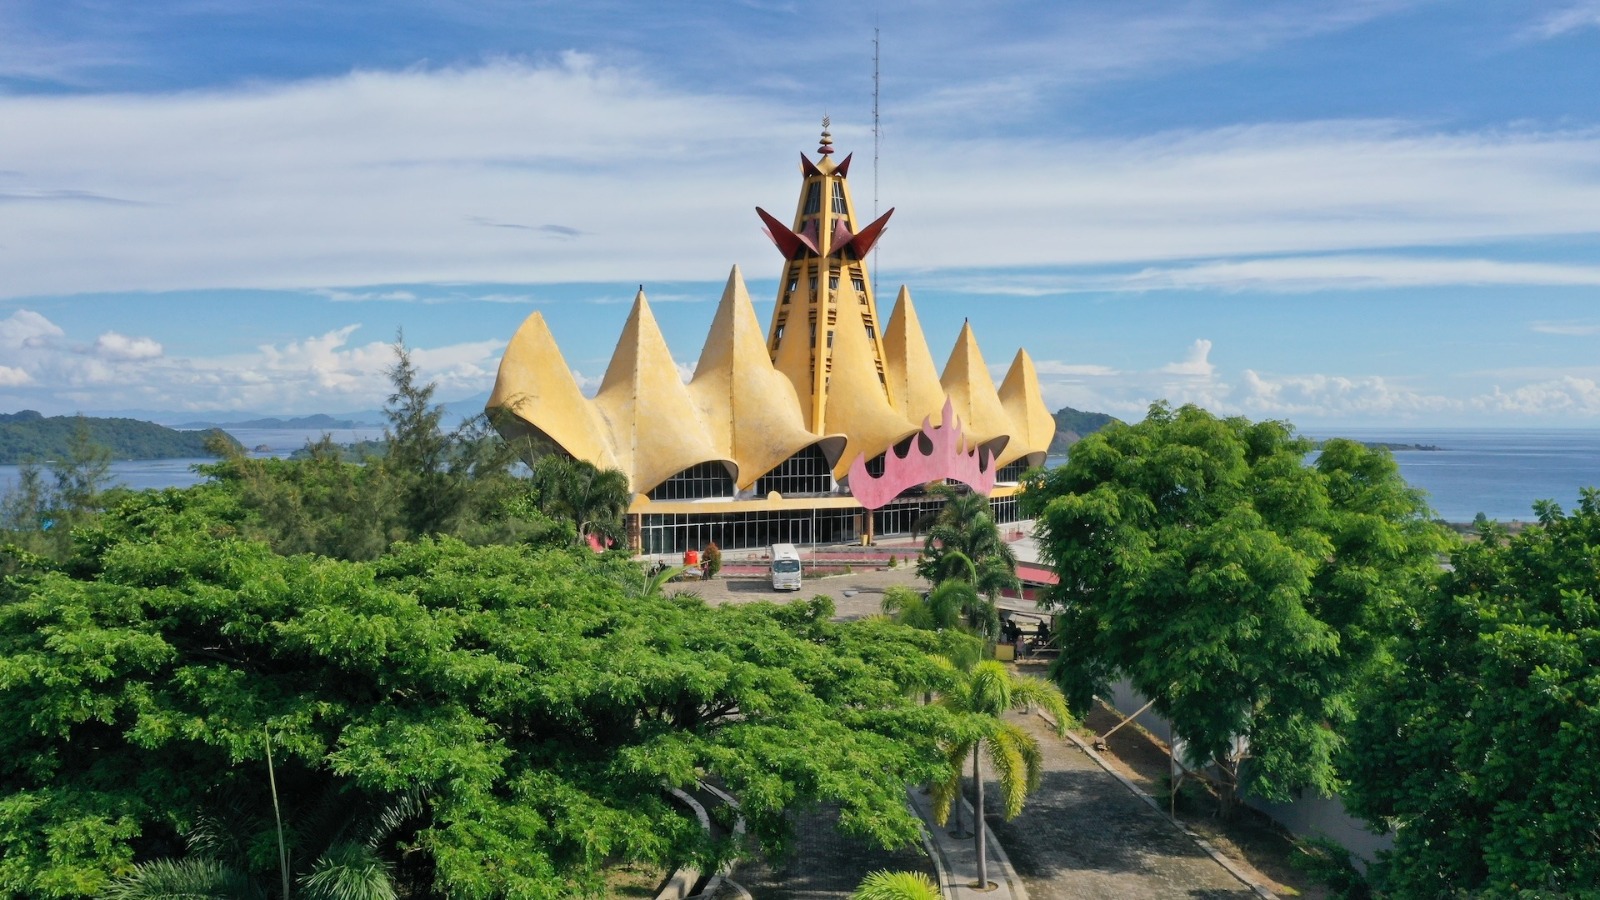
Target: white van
<point x="785" y="567"/>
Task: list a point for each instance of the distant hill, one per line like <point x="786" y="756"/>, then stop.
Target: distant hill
<point x="28" y="435"/>
<point x="358" y="451"/>
<point x="1073" y="424"/>
<point x="301" y="422"/>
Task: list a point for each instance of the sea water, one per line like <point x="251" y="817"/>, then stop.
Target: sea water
<point x="140" y="474"/>
<point x="1498" y="472"/>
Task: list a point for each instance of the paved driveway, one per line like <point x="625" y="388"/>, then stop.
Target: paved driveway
<point x="855" y="596"/>
<point x="1082" y="835"/>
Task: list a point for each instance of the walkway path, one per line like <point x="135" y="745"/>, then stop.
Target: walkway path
<point x="1084" y="835"/>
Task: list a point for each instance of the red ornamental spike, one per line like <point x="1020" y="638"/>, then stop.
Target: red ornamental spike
<point x="860" y="245"/>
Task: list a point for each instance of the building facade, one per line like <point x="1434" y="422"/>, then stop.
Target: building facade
<point x="824" y="427"/>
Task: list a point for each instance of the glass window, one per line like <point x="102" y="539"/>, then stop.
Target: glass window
<point x="709" y="479"/>
<point x="813" y="199"/>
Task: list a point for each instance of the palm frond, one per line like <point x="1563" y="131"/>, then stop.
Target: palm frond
<point x="193" y="878"/>
<point x="387" y="818"/>
<point x="224" y="833"/>
<point x="947" y="791"/>
<point x="654" y="584"/>
<point x="1033" y="760"/>
<point x="886" y="885"/>
<point x="1030" y="691"/>
<point x="990" y="687"/>
<point x="348" y="871"/>
<point x="1004" y="747"/>
<point x="950" y="601"/>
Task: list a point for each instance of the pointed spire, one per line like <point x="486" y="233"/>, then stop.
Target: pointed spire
<point x="1032" y="426"/>
<point x="827" y="139"/>
<point x="750" y="409"/>
<point x="535" y="385"/>
<point x="654" y="425"/>
<point x="857" y="402"/>
<point x="971" y="389"/>
<point x="913" y="380"/>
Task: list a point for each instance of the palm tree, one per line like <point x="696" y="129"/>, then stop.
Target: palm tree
<point x="964" y="543"/>
<point x="952" y="603"/>
<point x="886" y="885"/>
<point x="982" y="695"/>
<point x="592" y="498"/>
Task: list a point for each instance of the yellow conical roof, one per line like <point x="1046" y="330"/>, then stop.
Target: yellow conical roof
<point x="914" y="386"/>
<point x="857" y="403"/>
<point x="656" y="429"/>
<point x="972" y="395"/>
<point x="1032" y="426"/>
<point x="535" y="385"/>
<point x="750" y="409"/>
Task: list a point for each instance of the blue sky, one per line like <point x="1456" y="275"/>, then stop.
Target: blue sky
<point x="1355" y="212"/>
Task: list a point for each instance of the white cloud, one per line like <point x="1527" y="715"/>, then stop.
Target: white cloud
<point x="1574" y="329"/>
<point x="1056" y="367"/>
<point x="1267" y="190"/>
<point x="588" y="384"/>
<point x="380" y="178"/>
<point x="1574" y="17"/>
<point x="26" y="328"/>
<point x="1068" y="48"/>
<point x="113" y="345"/>
<point x="1567" y="396"/>
<point x="374" y="177"/>
<point x="1293" y="274"/>
<point x="343" y="296"/>
<point x="1195" y="364"/>
<point x="323" y="372"/>
<point x="1336" y="396"/>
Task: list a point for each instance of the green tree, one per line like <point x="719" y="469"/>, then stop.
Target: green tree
<point x="964" y="543"/>
<point x="1247" y="593"/>
<point x="951" y="604"/>
<point x="330" y="501"/>
<point x="319" y="503"/>
<point x="921" y="610"/>
<point x="980" y="696"/>
<point x="25" y="510"/>
<point x="40" y="517"/>
<point x="592" y="499"/>
<point x="534" y="702"/>
<point x="1478" y="746"/>
<point x="419" y="449"/>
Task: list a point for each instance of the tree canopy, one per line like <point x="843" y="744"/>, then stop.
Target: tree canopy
<point x="1246" y="592"/>
<point x="487" y="721"/>
<point x="1478" y="747"/>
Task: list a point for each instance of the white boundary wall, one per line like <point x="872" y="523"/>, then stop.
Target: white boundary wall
<point x="1309" y="816"/>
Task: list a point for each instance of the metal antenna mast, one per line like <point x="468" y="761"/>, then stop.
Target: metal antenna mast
<point x="877" y="134"/>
